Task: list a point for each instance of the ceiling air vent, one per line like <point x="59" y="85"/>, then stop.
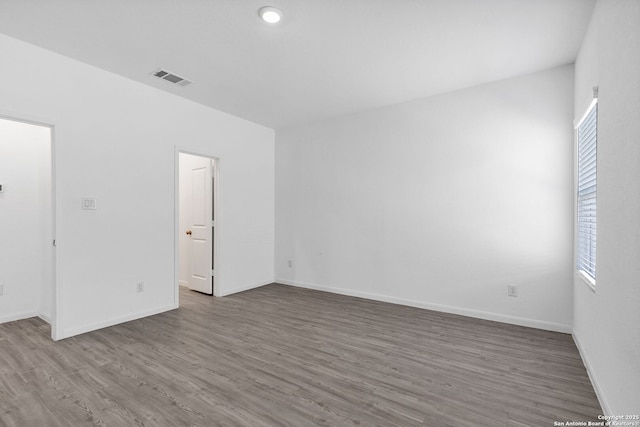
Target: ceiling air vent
<point x="170" y="77"/>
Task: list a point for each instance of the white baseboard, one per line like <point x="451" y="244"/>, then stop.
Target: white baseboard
<point x="520" y="321"/>
<point x="67" y="333"/>
<point x="592" y="376"/>
<point x="228" y="292"/>
<point x="45" y="317"/>
<point x="17" y="316"/>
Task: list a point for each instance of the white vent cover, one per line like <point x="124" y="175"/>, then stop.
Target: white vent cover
<point x="170" y="77"/>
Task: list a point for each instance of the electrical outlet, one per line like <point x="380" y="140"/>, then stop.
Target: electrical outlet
<point x="512" y="290"/>
<point x="140" y="286"/>
<point x="1" y="290"/>
<point x="290" y="263"/>
<point x="88" y="203"/>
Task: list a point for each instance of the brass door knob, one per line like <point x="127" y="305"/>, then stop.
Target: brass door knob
<point x="188" y="232"/>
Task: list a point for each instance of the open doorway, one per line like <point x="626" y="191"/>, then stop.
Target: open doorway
<point x="27" y="223"/>
<point x="197" y="223"/>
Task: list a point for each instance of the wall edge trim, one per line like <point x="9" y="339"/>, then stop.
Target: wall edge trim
<point x="592" y="376"/>
<point x="18" y="316"/>
<point x="45" y="317"/>
<point x="69" y="332"/>
<point x="496" y="317"/>
<point x="239" y="289"/>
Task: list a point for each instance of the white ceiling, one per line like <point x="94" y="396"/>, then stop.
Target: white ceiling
<point x="327" y="58"/>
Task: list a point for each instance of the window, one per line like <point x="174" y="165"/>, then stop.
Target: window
<point x="587" y="150"/>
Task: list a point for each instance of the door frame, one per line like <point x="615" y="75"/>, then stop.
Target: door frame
<point x="56" y="305"/>
<point x="176" y="210"/>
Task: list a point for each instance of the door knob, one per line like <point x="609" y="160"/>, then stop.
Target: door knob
<point x="188" y="232"/>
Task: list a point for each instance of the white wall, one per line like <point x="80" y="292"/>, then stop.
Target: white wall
<point x="439" y="203"/>
<point x="607" y="321"/>
<point x="25" y="221"/>
<point x="116" y="140"/>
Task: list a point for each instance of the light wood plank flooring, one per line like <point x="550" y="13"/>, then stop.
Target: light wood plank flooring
<point x="279" y="355"/>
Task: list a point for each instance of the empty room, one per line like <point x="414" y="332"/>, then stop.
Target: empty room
<point x="320" y="212"/>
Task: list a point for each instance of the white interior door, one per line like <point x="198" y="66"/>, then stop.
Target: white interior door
<point x="200" y="231"/>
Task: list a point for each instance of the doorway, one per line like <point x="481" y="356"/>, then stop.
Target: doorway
<point x="27" y="222"/>
<point x="197" y="223"/>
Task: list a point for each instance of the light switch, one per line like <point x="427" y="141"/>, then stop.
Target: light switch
<point x="88" y="203"/>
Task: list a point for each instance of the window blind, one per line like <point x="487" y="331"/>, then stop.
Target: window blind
<point x="587" y="152"/>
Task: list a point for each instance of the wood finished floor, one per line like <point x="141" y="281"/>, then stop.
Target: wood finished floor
<point x="280" y="355"/>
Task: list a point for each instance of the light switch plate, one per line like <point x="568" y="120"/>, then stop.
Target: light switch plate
<point x="89" y="203"/>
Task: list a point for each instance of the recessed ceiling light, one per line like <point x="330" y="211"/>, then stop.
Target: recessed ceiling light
<point x="270" y="15"/>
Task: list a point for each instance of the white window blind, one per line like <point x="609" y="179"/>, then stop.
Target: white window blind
<point x="587" y="151"/>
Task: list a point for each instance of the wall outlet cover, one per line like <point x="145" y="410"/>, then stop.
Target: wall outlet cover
<point x="89" y="203"/>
